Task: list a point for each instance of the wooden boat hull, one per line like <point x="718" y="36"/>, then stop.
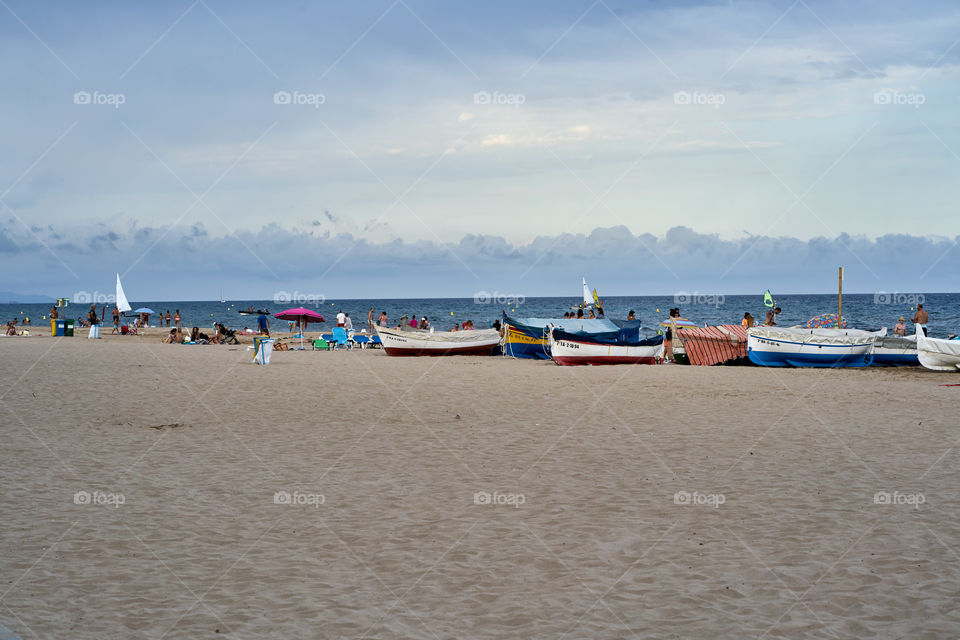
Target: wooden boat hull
<point x="573" y="352"/>
<point x="896" y="351"/>
<point x="397" y="343"/>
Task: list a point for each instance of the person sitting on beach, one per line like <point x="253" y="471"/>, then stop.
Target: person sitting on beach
<point x="632" y="315"/>
<point x="900" y="328"/>
<point x="580" y="313"/>
<point x="747" y="320"/>
<point x="772" y="317"/>
<point x="600" y="309"/>
<point x="12" y="327"/>
<point x="921" y="317"/>
<point x="592" y="315"/>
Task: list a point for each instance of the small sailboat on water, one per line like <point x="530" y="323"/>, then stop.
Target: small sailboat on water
<point x="122" y="304"/>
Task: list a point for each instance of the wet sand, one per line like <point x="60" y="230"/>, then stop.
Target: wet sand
<point x="168" y="491"/>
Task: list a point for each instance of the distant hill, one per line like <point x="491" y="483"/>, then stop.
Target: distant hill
<point x="7" y="297"/>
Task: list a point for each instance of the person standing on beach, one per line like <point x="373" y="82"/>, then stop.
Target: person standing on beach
<point x="54" y="314"/>
<point x="341" y="318"/>
<point x="772" y="317"/>
<point x="92" y="315"/>
<point x="177" y="319"/>
<point x="413" y="321"/>
<point x="921" y="317"/>
<point x="168" y="317"/>
<point x="370" y="320"/>
<point x="263" y="324"/>
<point x="116" y="320"/>
<point x="347" y="322"/>
<point x="747" y="321"/>
<point x="900" y="328"/>
<point x="383" y="319"/>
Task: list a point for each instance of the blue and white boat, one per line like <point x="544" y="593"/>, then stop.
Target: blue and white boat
<point x="530" y="337"/>
<point x="798" y="347"/>
<point x="896" y="351"/>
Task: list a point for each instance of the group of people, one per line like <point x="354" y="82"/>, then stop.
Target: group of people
<point x="222" y="335"/>
<point x="921" y="317"/>
<point x="749" y="321"/>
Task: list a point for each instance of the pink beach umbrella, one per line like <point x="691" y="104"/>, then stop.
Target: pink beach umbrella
<point x="301" y="316"/>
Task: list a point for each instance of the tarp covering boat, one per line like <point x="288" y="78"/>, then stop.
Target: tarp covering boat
<point x="896" y="351"/>
<point x="938" y="354"/>
<point x="722" y="344"/>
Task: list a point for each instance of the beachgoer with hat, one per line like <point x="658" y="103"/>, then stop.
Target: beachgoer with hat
<point x="900" y="328"/>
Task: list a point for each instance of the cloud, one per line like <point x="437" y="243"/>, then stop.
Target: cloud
<point x="188" y="262"/>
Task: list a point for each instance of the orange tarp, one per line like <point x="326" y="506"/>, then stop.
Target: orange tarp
<point x="707" y="346"/>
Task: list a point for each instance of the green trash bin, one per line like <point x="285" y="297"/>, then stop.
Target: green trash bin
<point x="68" y="328"/>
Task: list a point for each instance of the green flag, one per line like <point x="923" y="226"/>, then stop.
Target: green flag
<point x="767" y="298"/>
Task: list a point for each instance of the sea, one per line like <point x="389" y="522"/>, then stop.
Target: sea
<point x="862" y="311"/>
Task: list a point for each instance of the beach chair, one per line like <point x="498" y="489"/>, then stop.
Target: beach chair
<point x="375" y="342"/>
<point x="321" y="345"/>
<point x="340" y="338"/>
<point x="362" y="341"/>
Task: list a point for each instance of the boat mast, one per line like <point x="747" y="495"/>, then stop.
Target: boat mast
<point x="840" y="301"/>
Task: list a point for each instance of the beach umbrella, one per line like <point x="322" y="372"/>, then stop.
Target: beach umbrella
<point x="144" y="310"/>
<point x="300" y="315"/>
<point x="824" y="321"/>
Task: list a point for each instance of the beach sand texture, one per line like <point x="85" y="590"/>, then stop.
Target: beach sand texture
<point x="777" y="536"/>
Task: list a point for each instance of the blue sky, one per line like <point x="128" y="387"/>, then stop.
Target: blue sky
<point x="439" y="149"/>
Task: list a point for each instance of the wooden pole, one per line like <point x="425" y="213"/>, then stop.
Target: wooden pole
<point x="840" y="301"/>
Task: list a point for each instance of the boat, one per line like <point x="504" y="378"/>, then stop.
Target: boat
<point x="800" y="347"/>
<point x="530" y="337"/>
<point x="712" y="345"/>
<point x="477" y="342"/>
<point x="245" y="312"/>
<point x="898" y="351"/>
<point x="938" y="354"/>
<point x="577" y="349"/>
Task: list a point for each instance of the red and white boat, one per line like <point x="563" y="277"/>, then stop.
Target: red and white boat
<point x="571" y="349"/>
<point x="477" y="342"/>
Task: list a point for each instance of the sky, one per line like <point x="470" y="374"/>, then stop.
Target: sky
<point x="432" y="149"/>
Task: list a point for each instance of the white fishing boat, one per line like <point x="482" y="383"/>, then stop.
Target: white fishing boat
<point x="572" y="349"/>
<point x="938" y="354"/>
<point x="478" y="342"/>
<point x="799" y="347"/>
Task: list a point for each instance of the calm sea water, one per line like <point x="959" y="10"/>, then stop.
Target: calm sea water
<point x="867" y="311"/>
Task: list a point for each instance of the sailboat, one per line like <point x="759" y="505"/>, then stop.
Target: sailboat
<point x="589" y="299"/>
<point x="122" y="305"/>
<point x="221" y="296"/>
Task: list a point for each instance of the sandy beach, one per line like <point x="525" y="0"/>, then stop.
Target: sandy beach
<point x="165" y="491"/>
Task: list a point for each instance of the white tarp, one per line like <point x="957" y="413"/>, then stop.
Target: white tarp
<point x="264" y="347"/>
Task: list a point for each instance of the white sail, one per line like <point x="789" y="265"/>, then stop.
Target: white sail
<point x="587" y="297"/>
<point x="122" y="303"/>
